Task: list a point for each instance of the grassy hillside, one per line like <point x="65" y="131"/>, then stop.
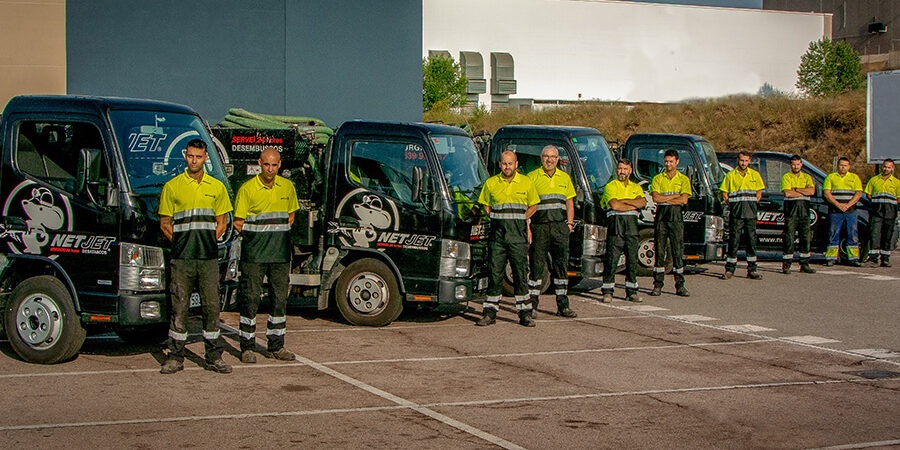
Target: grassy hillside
<point x="817" y="129"/>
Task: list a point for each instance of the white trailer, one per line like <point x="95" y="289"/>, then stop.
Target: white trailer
<point x="883" y="116"/>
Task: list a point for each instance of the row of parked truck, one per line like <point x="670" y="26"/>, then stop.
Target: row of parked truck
<point x="388" y="217"/>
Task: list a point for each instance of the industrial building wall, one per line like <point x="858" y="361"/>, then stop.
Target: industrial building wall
<point x="32" y="48"/>
<point x="625" y="51"/>
<point x="333" y="59"/>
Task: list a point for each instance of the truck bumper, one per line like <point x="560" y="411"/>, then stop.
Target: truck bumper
<point x="458" y="290"/>
<point x="143" y="309"/>
<point x="701" y="253"/>
<point x="591" y="267"/>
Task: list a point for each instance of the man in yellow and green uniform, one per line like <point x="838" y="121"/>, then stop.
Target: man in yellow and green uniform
<point x="670" y="190"/>
<point x="509" y="198"/>
<point x="797" y="187"/>
<point x="550" y="227"/>
<point x="742" y="188"/>
<point x="622" y="199"/>
<point x="884" y="191"/>
<point x="263" y="213"/>
<point x="192" y="214"/>
<point x="842" y="190"/>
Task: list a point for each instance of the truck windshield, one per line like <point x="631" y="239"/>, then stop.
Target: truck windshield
<point x="462" y="168"/>
<point x="153" y="145"/>
<point x="599" y="166"/>
<point x="708" y="153"/>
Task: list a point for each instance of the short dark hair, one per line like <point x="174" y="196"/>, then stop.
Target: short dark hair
<point x="844" y="158"/>
<point x="796" y="158"/>
<point x="671" y="152"/>
<point x="888" y="160"/>
<point x="197" y="143"/>
<point x="744" y="153"/>
<point x="625" y="161"/>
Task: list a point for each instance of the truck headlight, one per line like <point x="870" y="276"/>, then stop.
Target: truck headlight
<point x="232" y="271"/>
<point x="594" y="241"/>
<point x="456" y="258"/>
<point x="141" y="268"/>
<point x="715" y="228"/>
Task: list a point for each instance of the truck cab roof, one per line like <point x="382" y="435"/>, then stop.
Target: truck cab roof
<point x="397" y="128"/>
<point x="82" y="103"/>
<point x="543" y="131"/>
<point x="663" y="138"/>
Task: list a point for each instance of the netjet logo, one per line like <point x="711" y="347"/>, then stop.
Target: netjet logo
<point x="79" y="243"/>
<point x="364" y="219"/>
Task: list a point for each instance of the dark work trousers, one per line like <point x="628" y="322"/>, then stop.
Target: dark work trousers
<point x="882" y="236"/>
<point x="550" y="238"/>
<point x="740" y="228"/>
<point x="800" y="225"/>
<point x="251" y="291"/>
<point x="188" y="274"/>
<point x="615" y="245"/>
<point x="499" y="251"/>
<point x="668" y="236"/>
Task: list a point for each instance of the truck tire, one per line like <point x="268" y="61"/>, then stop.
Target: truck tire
<point x="41" y="322"/>
<point x="510" y="291"/>
<point x="144" y="334"/>
<point x="646" y="253"/>
<point x="367" y="294"/>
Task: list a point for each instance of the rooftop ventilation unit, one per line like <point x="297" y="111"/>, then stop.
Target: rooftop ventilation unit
<point x="473" y="66"/>
<point x="503" y="80"/>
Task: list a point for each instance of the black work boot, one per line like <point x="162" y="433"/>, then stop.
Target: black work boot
<point x="525" y="319"/>
<point x="562" y="307"/>
<point x="488" y="317"/>
<point x="804" y="267"/>
<point x="534" y="306"/>
<point x="885" y="261"/>
<point x="786" y="267"/>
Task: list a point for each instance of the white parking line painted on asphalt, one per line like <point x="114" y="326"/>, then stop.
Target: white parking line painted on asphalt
<point x="876" y="352"/>
<point x="693" y="318"/>
<point x="810" y="339"/>
<point x="440" y="404"/>
<point x="747" y="327"/>
<point x="880" y="278"/>
<point x="642" y="308"/>
<point x="447" y="420"/>
<point x="861" y="445"/>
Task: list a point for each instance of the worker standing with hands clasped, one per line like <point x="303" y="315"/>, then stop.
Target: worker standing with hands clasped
<point x="263" y="213"/>
<point x="742" y="188"/>
<point x="842" y="190"/>
<point x="192" y="209"/>
<point x="623" y="199"/>
<point x="670" y="190"/>
<point x="509" y="199"/>
<point x="884" y="191"/>
<point x="550" y="227"/>
<point x="797" y="187"/>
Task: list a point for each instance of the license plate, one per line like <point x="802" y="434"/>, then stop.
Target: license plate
<point x="195" y="300"/>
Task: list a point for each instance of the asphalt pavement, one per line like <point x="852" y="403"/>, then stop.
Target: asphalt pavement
<point x="789" y="361"/>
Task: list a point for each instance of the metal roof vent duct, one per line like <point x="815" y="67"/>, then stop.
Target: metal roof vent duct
<point x="503" y="78"/>
<point x="473" y="66"/>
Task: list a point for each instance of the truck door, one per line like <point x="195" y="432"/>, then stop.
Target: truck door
<point x="379" y="208"/>
<point x="55" y="204"/>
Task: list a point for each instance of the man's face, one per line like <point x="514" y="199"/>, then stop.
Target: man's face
<point x="843" y="167"/>
<point x="270" y="162"/>
<point x="195" y="158"/>
<point x="743" y="162"/>
<point x="887" y="168"/>
<point x="549" y="159"/>
<point x="671" y="163"/>
<point x="508" y="164"/>
<point x="796" y="166"/>
<point x="623" y="171"/>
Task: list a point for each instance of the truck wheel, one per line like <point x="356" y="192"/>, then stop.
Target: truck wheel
<point x="367" y="294"/>
<point x="144" y="334"/>
<point x="646" y="253"/>
<point x="510" y="291"/>
<point x="41" y="321"/>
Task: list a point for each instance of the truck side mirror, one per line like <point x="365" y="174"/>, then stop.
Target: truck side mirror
<point x="89" y="169"/>
<point x="421" y="192"/>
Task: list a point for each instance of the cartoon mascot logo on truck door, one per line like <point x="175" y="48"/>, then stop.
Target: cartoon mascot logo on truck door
<point x="44" y="212"/>
<point x="371" y="217"/>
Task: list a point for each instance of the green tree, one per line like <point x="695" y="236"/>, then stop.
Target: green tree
<point x="828" y="67"/>
<point x="443" y="83"/>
